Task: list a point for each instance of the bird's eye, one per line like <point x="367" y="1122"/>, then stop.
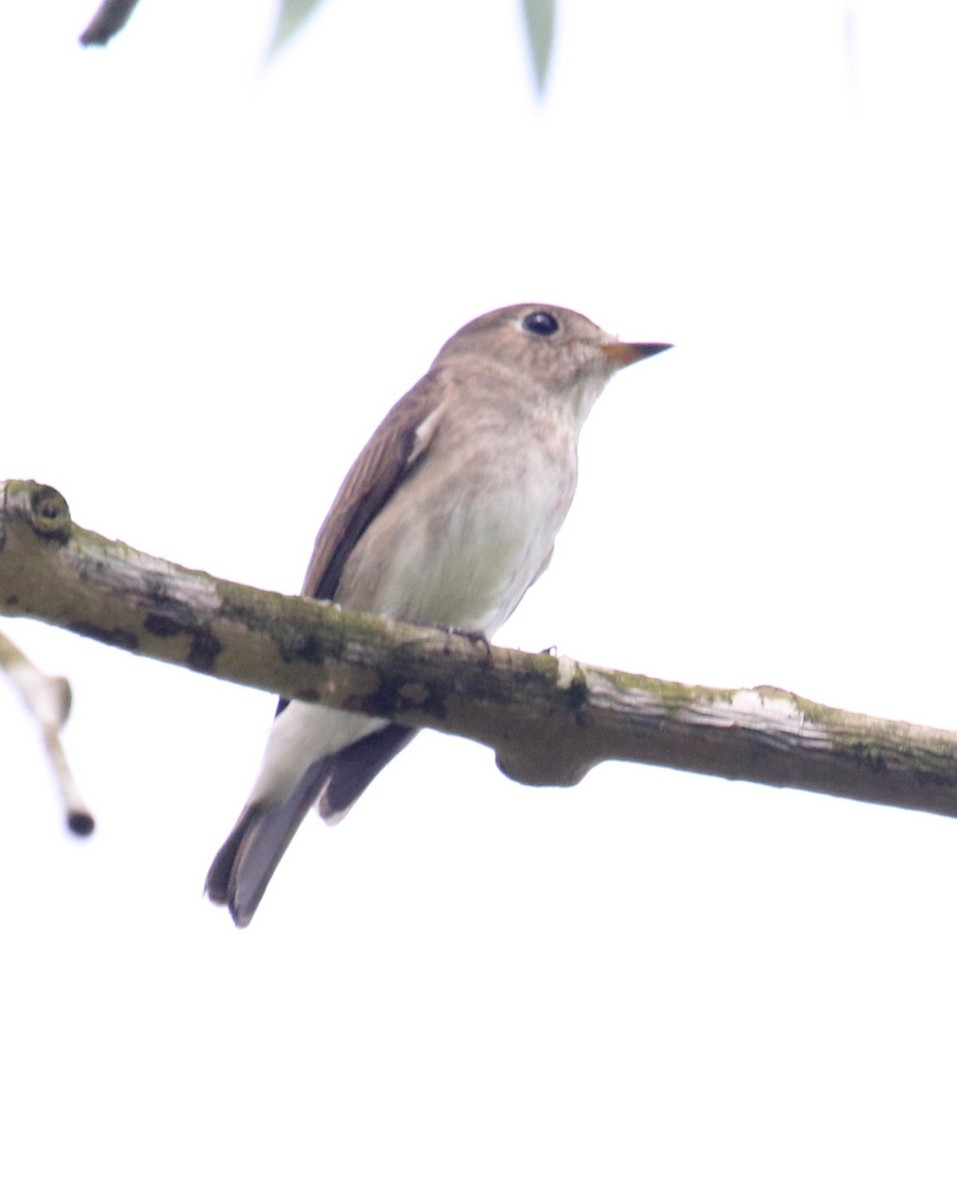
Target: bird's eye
<point x="542" y="324"/>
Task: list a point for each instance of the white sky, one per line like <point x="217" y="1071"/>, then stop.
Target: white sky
<point x="215" y="279"/>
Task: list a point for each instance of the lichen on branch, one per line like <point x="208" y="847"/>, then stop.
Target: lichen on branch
<point x="548" y="719"/>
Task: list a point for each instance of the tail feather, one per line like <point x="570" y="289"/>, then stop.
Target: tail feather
<point x="242" y="869"/>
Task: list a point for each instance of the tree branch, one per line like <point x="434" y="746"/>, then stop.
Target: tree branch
<point x="47" y="698"/>
<point x="549" y="720"/>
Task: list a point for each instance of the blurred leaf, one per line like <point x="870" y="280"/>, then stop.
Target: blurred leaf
<point x="110" y="18"/>
<point x="540" y="25"/>
<point x="293" y="14"/>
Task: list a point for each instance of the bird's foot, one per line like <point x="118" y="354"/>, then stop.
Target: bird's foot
<point x="475" y="636"/>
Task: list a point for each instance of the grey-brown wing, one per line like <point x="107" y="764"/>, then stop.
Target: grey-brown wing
<point x="388" y="456"/>
<point x="347" y="774"/>
<point x="395" y="447"/>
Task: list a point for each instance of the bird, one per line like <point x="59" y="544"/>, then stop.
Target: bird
<point x="446" y="518"/>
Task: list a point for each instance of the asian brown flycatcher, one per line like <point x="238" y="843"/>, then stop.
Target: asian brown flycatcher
<point x="446" y="518"/>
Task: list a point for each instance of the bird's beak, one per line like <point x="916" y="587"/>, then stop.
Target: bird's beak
<point x="623" y="354"/>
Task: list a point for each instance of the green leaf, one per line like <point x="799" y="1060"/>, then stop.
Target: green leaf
<point x="293" y="14"/>
<point x="540" y="25"/>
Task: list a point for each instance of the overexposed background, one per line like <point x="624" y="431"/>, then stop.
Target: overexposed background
<point x="215" y="278"/>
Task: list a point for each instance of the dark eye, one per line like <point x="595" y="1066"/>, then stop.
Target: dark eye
<point x="542" y="324"/>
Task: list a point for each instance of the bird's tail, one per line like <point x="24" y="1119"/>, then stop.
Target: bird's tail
<point x="245" y="863"/>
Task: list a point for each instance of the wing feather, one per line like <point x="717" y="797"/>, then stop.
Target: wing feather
<point x="395" y="448"/>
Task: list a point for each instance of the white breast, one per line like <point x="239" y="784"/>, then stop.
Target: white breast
<point x="466" y="535"/>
